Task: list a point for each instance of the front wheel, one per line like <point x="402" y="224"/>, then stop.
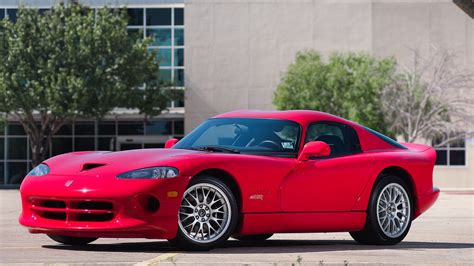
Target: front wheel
<point x="207" y="216"/>
<point x="71" y="240"/>
<point x="389" y="214"/>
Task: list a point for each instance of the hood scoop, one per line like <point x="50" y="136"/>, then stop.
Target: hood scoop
<point x="89" y="166"/>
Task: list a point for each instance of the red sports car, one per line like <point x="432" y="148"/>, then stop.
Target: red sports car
<point x="245" y="174"/>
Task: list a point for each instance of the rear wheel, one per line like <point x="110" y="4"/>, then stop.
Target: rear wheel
<point x="73" y="241"/>
<point x="260" y="237"/>
<point x="207" y="216"/>
<point x="389" y="213"/>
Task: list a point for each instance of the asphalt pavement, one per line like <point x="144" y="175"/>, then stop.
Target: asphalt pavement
<point x="444" y="236"/>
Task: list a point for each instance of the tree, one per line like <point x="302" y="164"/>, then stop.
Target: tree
<point x="71" y="62"/>
<point x="432" y="99"/>
<point x="347" y="85"/>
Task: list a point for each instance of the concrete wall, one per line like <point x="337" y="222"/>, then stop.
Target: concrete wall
<point x="237" y="50"/>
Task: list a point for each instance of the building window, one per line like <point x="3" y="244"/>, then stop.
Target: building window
<point x="166" y="28"/>
<point x="84" y="143"/>
<point x="130" y="128"/>
<point x="107" y="128"/>
<point x="160" y="37"/>
<point x="164" y="57"/>
<point x="179" y="16"/>
<point x="135" y="16"/>
<point x="179" y="57"/>
<point x="11" y="15"/>
<point x="451" y="154"/>
<point x="87" y="128"/>
<point x="2" y="147"/>
<point x="158" y="16"/>
<point x="15" y="154"/>
<point x="17" y="148"/>
<point x="16" y="171"/>
<point x="178" y="128"/>
<point x="165" y="75"/>
<point x="179" y="37"/>
<point x="163" y="127"/>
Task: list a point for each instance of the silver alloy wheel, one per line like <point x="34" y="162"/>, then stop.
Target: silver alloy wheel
<point x="393" y="210"/>
<point x="205" y="213"/>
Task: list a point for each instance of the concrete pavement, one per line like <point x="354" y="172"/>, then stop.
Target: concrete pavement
<point x="444" y="236"/>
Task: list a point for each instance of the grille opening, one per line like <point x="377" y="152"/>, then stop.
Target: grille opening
<point x="53" y="204"/>
<point x="93" y="205"/>
<point x="54" y="215"/>
<point x="95" y="217"/>
<point x="89" y="166"/>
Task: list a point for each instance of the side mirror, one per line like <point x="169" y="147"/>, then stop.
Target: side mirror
<point x="314" y="148"/>
<point x="170" y="143"/>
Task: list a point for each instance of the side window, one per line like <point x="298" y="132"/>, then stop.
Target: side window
<point x="341" y="138"/>
<point x="354" y="143"/>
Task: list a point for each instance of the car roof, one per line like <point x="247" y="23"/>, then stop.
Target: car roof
<point x="300" y="116"/>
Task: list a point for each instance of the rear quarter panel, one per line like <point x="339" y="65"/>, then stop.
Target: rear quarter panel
<point x="418" y="161"/>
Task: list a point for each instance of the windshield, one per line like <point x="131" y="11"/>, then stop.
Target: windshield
<point x="245" y="135"/>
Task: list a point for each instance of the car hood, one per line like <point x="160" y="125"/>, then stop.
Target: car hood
<point x="104" y="162"/>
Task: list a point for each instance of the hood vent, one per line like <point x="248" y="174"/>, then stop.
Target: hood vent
<point x="89" y="166"/>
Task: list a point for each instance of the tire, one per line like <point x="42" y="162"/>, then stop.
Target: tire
<point x="207" y="203"/>
<point x="261" y="237"/>
<point x="387" y="224"/>
<point x="72" y="241"/>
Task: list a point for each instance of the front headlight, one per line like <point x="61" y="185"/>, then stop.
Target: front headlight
<point x="151" y="173"/>
<point x="39" y="170"/>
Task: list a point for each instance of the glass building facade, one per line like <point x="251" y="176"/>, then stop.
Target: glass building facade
<point x="163" y="21"/>
<point x="166" y="28"/>
<point x="165" y="25"/>
<point x="85" y="135"/>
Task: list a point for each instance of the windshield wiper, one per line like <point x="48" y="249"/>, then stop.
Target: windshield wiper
<point x="216" y="148"/>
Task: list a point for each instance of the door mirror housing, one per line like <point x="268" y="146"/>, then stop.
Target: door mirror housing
<point x="170" y="143"/>
<point x="314" y="149"/>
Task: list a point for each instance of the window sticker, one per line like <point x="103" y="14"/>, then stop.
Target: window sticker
<point x="287" y="145"/>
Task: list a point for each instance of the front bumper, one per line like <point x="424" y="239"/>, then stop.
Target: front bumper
<point x="122" y="208"/>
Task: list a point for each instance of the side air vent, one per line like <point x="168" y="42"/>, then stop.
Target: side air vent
<point x="89" y="166"/>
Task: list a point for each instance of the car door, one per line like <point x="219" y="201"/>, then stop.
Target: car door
<point x="332" y="183"/>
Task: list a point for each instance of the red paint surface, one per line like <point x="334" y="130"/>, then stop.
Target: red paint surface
<point x="277" y="194"/>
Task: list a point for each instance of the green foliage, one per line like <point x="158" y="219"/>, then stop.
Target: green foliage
<point x="70" y="62"/>
<point x="347" y="85"/>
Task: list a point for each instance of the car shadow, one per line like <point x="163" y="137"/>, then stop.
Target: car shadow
<point x="268" y="246"/>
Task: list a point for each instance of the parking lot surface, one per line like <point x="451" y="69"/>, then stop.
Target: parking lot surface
<point x="444" y="236"/>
